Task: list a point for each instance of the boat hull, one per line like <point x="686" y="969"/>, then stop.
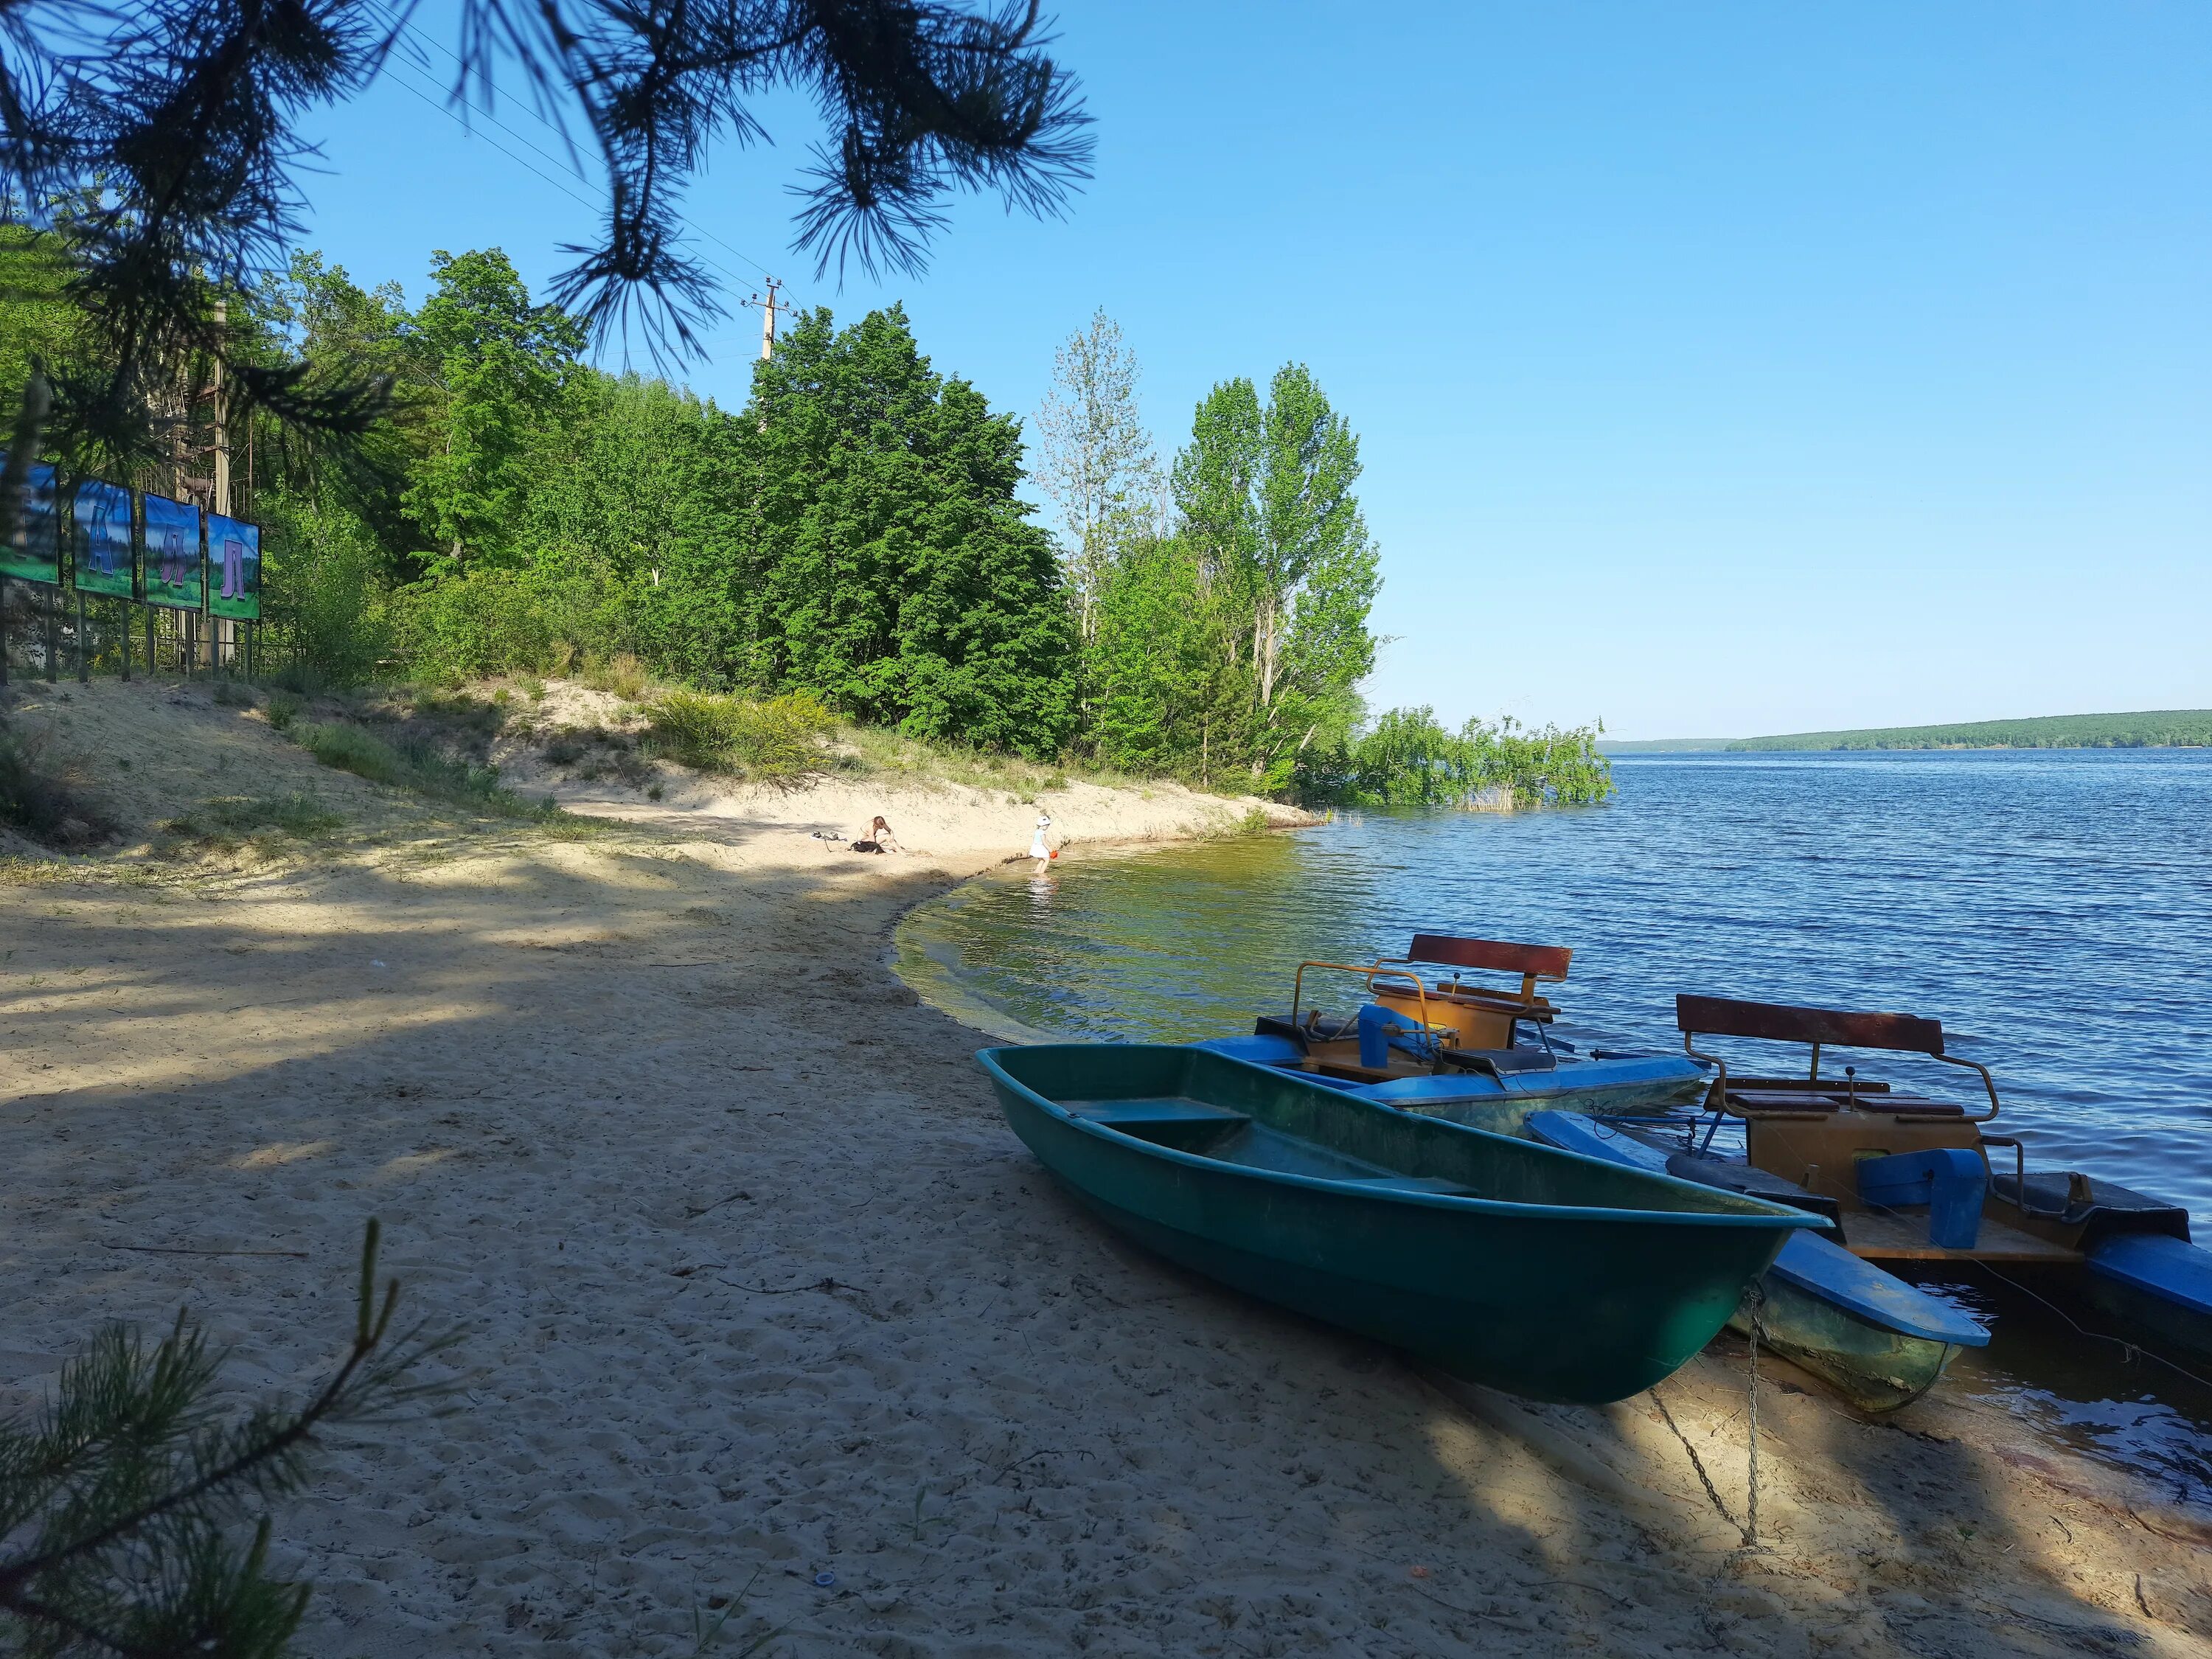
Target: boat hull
<point x="1874" y="1367"/>
<point x="1876" y="1340"/>
<point x="1585" y="1302"/>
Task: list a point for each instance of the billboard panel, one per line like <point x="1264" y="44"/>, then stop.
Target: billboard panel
<point x="99" y="540"/>
<point x="173" y="554"/>
<point x="34" y="553"/>
<point x="233" y="567"/>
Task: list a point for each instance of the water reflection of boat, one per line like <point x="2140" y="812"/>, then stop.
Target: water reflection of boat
<point x="1550" y="1275"/>
<point x="1461" y="1049"/>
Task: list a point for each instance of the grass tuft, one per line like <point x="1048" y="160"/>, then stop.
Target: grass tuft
<point x="779" y="741"/>
<point x="45" y="794"/>
<point x="229" y="821"/>
<point x="285" y="707"/>
<point x="416" y="765"/>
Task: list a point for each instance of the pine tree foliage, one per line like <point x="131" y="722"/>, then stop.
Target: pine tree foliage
<point x="125" y="1503"/>
<point x="164" y="140"/>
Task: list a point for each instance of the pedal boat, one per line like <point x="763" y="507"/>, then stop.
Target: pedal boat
<point x="1461" y="1049"/>
<point x="1912" y="1182"/>
<point x="1543" y="1272"/>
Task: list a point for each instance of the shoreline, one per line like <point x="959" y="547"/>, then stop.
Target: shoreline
<point x="757" y="1282"/>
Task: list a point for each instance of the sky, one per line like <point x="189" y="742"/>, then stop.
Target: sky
<point x="1719" y="370"/>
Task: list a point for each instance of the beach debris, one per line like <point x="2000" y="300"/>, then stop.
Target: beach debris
<point x="824" y="1580"/>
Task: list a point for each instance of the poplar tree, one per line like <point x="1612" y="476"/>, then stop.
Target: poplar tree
<point x="1095" y="458"/>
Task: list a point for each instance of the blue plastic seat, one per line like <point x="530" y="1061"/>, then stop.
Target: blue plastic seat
<point x="1951" y="1181"/>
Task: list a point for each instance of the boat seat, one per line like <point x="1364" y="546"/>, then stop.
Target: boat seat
<point x="1122" y="1114"/>
<point x="1406" y="1184"/>
<point x="1496" y="1062"/>
<point x="1808" y="1101"/>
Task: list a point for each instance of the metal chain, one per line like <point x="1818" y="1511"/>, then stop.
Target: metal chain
<point x="1757" y="1299"/>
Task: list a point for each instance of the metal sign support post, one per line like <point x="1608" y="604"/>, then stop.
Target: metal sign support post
<point x="125" y="605"/>
<point x="3" y="631"/>
<point x="83" y="667"/>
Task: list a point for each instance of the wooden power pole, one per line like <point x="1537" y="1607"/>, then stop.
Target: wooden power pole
<point x="769" y="306"/>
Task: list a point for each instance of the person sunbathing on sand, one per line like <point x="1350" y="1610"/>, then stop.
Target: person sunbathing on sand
<point x="878" y="839"/>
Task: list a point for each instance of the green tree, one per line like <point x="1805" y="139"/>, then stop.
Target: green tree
<point x="502" y="364"/>
<point x="888" y="565"/>
<point x="1155" y="665"/>
<point x="1266" y="502"/>
<point x="1095" y="458"/>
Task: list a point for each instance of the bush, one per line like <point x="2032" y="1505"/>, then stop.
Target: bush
<point x="416" y="765"/>
<point x="229" y="694"/>
<point x="229" y="819"/>
<point x="285" y="707"/>
<point x="43" y="795"/>
<point x="327" y="620"/>
<point x="623" y="678"/>
<point x="777" y="741"/>
<point x="461" y="625"/>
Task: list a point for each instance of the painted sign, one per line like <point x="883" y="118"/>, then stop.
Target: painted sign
<point x="33" y="553"/>
<point x="233" y="567"/>
<point x="100" y="559"/>
<point x="173" y="554"/>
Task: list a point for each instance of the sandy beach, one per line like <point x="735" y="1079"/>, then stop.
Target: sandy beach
<point x="759" y="1291"/>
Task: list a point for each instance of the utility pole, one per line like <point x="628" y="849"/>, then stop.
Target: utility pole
<point x="769" y="306"/>
<point x="225" y="630"/>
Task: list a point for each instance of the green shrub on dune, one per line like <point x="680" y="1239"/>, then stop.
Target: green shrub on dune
<point x="775" y="741"/>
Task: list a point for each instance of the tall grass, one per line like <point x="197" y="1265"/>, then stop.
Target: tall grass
<point x="779" y="741"/>
<point x="420" y="766"/>
<point x="227" y="821"/>
<point x="43" y="795"/>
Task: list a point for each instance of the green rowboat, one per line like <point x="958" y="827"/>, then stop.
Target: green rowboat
<point x="1542" y="1272"/>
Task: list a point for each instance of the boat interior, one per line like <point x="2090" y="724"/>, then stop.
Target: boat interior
<point x="1262" y="1118"/>
<point x="1908" y="1177"/>
<point x="1424" y="1013"/>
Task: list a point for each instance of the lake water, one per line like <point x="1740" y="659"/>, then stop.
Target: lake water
<point x="2053" y="909"/>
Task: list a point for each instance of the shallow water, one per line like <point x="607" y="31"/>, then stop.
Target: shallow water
<point x="2052" y="909"/>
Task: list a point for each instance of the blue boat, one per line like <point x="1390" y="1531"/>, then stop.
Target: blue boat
<point x="1877" y="1340"/>
<point x="1919" y="1183"/>
<point x="1427" y="1038"/>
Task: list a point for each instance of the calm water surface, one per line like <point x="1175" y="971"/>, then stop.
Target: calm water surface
<point x="2053" y="909"/>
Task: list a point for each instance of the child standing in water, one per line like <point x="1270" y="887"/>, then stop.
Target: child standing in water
<point x="1038" y="850"/>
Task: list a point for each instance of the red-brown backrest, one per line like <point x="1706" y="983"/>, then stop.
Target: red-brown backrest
<point x="1725" y="1017"/>
<point x="1545" y="960"/>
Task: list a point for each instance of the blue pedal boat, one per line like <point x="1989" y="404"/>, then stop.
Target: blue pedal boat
<point x="1917" y="1184"/>
<point x="1430" y="1038"/>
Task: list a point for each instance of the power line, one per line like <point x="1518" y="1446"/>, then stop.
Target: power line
<point x="598" y="205"/>
<point x="403" y="26"/>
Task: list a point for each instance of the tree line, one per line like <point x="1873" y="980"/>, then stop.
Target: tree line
<point x="857" y="531"/>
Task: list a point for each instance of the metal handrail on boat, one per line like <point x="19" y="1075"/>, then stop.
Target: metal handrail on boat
<point x="1369" y="973"/>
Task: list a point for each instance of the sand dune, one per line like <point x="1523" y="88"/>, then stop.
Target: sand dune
<point x="758" y="1287"/>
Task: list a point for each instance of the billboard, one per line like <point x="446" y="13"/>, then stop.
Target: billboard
<point x="233" y="567"/>
<point x="34" y="553"/>
<point x="99" y="540"/>
<point x="173" y="554"/>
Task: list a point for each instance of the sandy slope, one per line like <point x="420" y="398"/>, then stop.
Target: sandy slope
<point x="757" y="1283"/>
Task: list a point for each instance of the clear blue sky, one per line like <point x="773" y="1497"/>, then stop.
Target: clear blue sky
<point x="1719" y="369"/>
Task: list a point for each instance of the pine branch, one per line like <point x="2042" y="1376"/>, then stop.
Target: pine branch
<point x="132" y="1489"/>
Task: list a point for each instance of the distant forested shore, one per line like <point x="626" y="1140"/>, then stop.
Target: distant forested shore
<point x="2158" y="728"/>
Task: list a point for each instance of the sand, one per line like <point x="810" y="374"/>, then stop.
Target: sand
<point x="758" y="1286"/>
